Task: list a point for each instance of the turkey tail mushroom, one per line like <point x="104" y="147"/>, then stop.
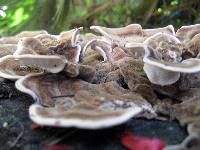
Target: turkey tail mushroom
<point x="168" y="29"/>
<point x="102" y="46"/>
<point x="7" y="49"/>
<point x="30" y="45"/>
<point x="137" y="48"/>
<point x="120" y="36"/>
<point x="186" y="33"/>
<point x="64" y="45"/>
<point x="66" y="102"/>
<point x="163" y="59"/>
<point x="9" y="40"/>
<point x="190" y="36"/>
<point x="16" y="66"/>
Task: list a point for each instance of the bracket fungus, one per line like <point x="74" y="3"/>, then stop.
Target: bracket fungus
<point x="130" y="39"/>
<point x="190" y="37"/>
<point x="76" y="103"/>
<point x="163" y="59"/>
<point x="7" y="49"/>
<point x="98" y="81"/>
<point x="16" y="66"/>
<point x="9" y="40"/>
<point x="120" y="36"/>
<point x="65" y="45"/>
<point x="16" y="38"/>
<point x="146" y="33"/>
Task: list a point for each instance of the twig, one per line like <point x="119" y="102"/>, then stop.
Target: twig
<point x="13" y="144"/>
<point x="149" y="12"/>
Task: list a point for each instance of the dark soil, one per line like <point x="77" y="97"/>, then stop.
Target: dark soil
<point x="16" y="132"/>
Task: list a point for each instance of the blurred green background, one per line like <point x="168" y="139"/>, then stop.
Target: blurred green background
<point x="58" y="15"/>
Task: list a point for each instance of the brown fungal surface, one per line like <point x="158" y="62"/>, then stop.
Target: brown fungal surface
<point x="163" y="59"/>
<point x="71" y="101"/>
<point x="9" y="40"/>
<point x="16" y="66"/>
<point x="65" y="45"/>
<point x="89" y="81"/>
<point x="120" y="36"/>
<point x="7" y="49"/>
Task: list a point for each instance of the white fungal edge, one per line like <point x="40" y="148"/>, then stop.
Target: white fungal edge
<point x="79" y="53"/>
<point x="133" y="45"/>
<point x="81" y="123"/>
<point x="186" y="27"/>
<point x="5" y="75"/>
<point x="47" y="57"/>
<point x="100" y="30"/>
<point x="172" y="29"/>
<point x="14" y="77"/>
<point x="169" y="67"/>
<point x="163" y="28"/>
<point x="20" y="45"/>
<point x="98" y="48"/>
<point x="74" y="41"/>
<point x="19" y="84"/>
<point x="76" y="35"/>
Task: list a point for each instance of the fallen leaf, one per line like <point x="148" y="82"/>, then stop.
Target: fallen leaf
<point x="134" y="142"/>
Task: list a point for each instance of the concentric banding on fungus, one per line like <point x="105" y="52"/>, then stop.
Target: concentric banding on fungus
<point x="120" y="36"/>
<point x="146" y="33"/>
<point x="7" y="49"/>
<point x="16" y="66"/>
<point x="187" y="66"/>
<point x="64" y="45"/>
<point x="150" y="32"/>
<point x="113" y="120"/>
<point x="164" y="72"/>
<point x="20" y="86"/>
<point x="66" y="102"/>
<point x="186" y="33"/>
<point x="190" y="37"/>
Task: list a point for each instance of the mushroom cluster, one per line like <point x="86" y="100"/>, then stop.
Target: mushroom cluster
<point x="98" y="81"/>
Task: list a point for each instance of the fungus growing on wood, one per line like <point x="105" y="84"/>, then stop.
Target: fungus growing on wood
<point x="65" y="45"/>
<point x="163" y="59"/>
<point x="120" y="36"/>
<point x="16" y="66"/>
<point x="7" y="49"/>
<point x="76" y="103"/>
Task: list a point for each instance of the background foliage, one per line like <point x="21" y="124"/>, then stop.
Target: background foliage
<point x="58" y="15"/>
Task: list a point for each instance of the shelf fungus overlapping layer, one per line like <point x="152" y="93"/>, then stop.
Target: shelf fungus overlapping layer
<point x="74" y="102"/>
<point x="98" y="81"/>
<point x="16" y="66"/>
<point x="166" y="57"/>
